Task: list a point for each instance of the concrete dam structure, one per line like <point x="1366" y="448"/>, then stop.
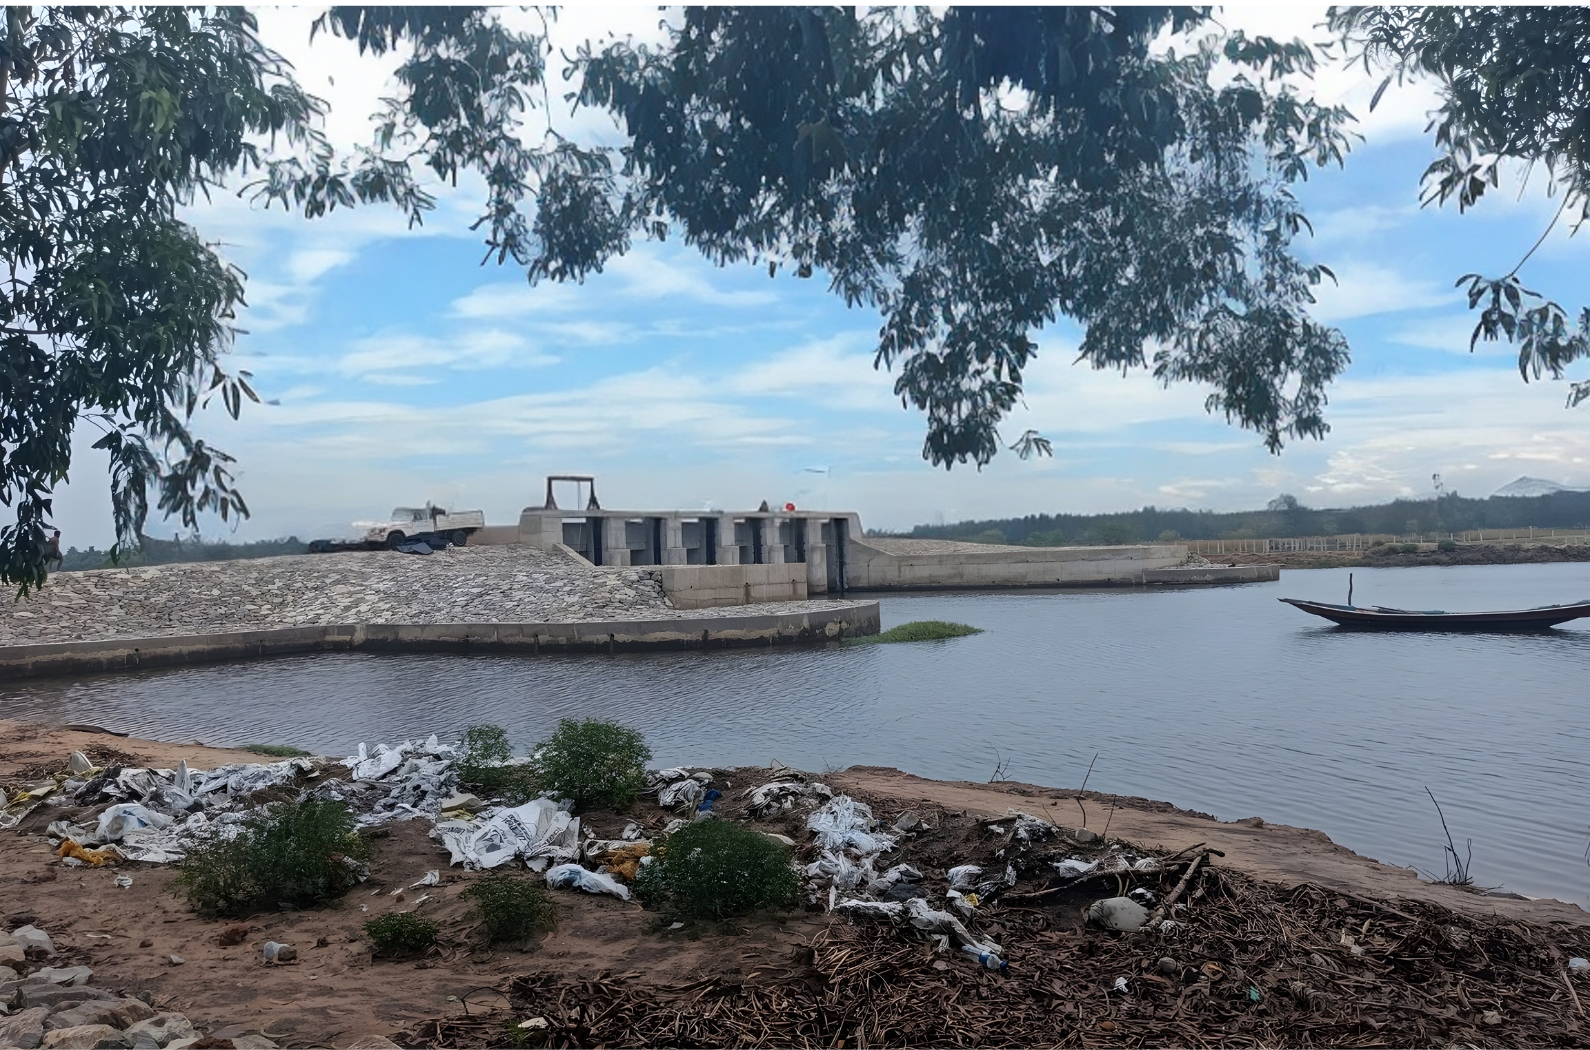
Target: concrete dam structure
<point x="720" y="557"/>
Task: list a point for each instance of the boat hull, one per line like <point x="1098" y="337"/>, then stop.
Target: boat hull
<point x="1375" y="618"/>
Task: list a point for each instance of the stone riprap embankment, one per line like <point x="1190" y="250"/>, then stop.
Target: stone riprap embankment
<point x="511" y="584"/>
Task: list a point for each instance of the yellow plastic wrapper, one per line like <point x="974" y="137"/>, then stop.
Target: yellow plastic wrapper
<point x="97" y="857"/>
<point x="624" y="861"/>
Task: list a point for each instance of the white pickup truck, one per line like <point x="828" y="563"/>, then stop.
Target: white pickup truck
<point x="433" y="525"/>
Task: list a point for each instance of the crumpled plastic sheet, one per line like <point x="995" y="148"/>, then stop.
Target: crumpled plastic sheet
<point x="1033" y="829"/>
<point x="963" y="877"/>
<point x="1074" y="867"/>
<point x="680" y="792"/>
<point x="845" y="824"/>
<point x="921" y="916"/>
<point x="421" y="774"/>
<point x="540" y="830"/>
<point x="769" y="799"/>
<point x="838" y="871"/>
<point x="574" y="876"/>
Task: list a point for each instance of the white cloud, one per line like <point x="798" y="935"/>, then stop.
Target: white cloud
<point x="1364" y="288"/>
<point x="377" y="357"/>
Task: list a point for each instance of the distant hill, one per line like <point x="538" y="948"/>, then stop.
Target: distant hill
<point x="1527" y="486"/>
<point x="1558" y="509"/>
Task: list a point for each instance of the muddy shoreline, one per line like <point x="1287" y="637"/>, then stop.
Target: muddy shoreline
<point x="461" y="994"/>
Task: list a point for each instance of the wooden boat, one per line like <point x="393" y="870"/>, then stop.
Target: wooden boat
<point x="1379" y="618"/>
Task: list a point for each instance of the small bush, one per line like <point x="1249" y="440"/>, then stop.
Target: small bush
<point x="1377" y="543"/>
<point x="276" y="750"/>
<point x="485" y="749"/>
<point x="400" y="933"/>
<point x="300" y="853"/>
<point x="1448" y="546"/>
<point x="713" y="869"/>
<point x="1410" y="548"/>
<point x="511" y="909"/>
<point x="594" y="762"/>
<point x="919" y="631"/>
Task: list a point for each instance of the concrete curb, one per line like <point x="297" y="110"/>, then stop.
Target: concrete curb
<point x="593" y="636"/>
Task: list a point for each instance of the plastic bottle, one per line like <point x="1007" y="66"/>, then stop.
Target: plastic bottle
<point x="985" y="959"/>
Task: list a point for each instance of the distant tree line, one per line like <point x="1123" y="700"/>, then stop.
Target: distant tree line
<point x="1283" y="517"/>
<point x="164" y="552"/>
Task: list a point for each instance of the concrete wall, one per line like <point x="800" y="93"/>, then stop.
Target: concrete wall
<point x="678" y="632"/>
<point x="868" y="568"/>
<point x="702" y="586"/>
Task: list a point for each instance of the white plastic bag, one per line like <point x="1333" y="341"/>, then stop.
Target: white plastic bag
<point x="573" y="875"/>
<point x="844" y="823"/>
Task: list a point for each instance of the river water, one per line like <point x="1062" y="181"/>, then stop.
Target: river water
<point x="1216" y="699"/>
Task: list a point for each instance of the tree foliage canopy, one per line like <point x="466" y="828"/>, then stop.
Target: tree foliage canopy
<point x="973" y="174"/>
<point x="1515" y="89"/>
<point x="976" y="175"/>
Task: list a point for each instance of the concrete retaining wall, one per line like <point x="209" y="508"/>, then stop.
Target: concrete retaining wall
<point x="703" y="586"/>
<point x="682" y="632"/>
<point x="869" y="568"/>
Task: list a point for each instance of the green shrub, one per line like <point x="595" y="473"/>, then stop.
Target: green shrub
<point x="713" y="869"/>
<point x="1446" y="545"/>
<point x="299" y="853"/>
<point x="400" y="933"/>
<point x="276" y="750"/>
<point x="1410" y="548"/>
<point x="918" y="631"/>
<point x="594" y="762"/>
<point x="485" y="749"/>
<point x="511" y="909"/>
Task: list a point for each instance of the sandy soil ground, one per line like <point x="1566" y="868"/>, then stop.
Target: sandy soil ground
<point x="337" y="993"/>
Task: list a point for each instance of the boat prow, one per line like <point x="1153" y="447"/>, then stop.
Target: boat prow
<point x="1378" y="618"/>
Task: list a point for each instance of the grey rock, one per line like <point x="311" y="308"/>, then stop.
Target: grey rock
<point x="25" y="1029"/>
<point x="55" y="996"/>
<point x="1118" y="913"/>
<point x="177" y="960"/>
<point x="85" y="1037"/>
<point x="12" y="953"/>
<point x="1083" y="835"/>
<point x="158" y="1031"/>
<point x="252" y="1041"/>
<point x="33" y="939"/>
<point x="276" y="952"/>
<point x="1168" y="967"/>
<point x="63" y="975"/>
<point x="118" y="1013"/>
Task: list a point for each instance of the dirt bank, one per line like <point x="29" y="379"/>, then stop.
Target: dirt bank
<point x="613" y="974"/>
<point x="1391" y="556"/>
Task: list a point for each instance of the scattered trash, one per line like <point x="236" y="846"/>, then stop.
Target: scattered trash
<point x="964" y="877"/>
<point x="677" y="926"/>
<point x="622" y="858"/>
<point x="533" y="1023"/>
<point x="769" y="799"/>
<point x="276" y="952"/>
<point x="1212" y="971"/>
<point x="70" y="850"/>
<point x="590" y="881"/>
<point x="1121" y="986"/>
<point x="633" y="831"/>
<point x="1086" y="837"/>
<point x="908" y="823"/>
<point x="1032" y="829"/>
<point x="681" y="792"/>
<point x="986" y="959"/>
<point x="704" y="807"/>
<point x="124" y="881"/>
<point x="1074" y="867"/>
<point x="540" y="832"/>
<point x="782" y="840"/>
<point x="77" y="764"/>
<point x="177" y="960"/>
<point x="844" y="823"/>
<point x="1118" y="913"/>
<point x="430" y="878"/>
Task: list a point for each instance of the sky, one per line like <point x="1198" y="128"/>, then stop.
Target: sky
<point x="398" y="368"/>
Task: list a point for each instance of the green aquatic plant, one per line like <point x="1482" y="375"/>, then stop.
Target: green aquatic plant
<point x="918" y="631"/>
<point x="276" y="750"/>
